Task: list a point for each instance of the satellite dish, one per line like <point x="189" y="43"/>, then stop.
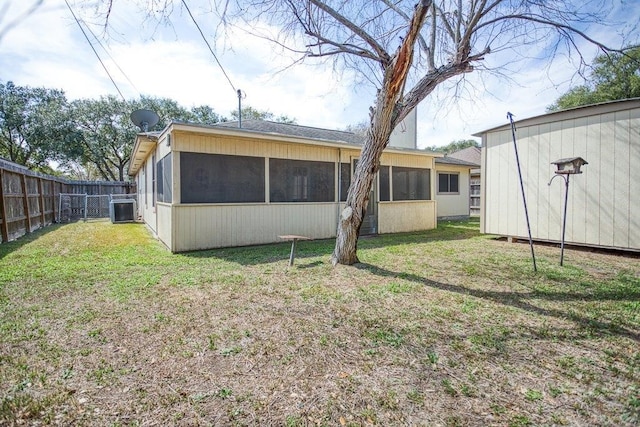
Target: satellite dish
<point x="144" y="119"/>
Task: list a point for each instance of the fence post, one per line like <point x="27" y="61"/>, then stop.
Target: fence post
<point x="4" y="226"/>
<point x="25" y="203"/>
<point x="41" y="202"/>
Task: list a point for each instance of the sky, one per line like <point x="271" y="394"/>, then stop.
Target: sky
<point x="47" y="49"/>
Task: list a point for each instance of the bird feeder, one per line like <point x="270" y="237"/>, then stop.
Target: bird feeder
<point x="569" y="166"/>
<point x="565" y="168"/>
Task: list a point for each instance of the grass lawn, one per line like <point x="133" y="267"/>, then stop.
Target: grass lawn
<point x="101" y="325"/>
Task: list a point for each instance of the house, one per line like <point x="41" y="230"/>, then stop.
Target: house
<point x="453" y="187"/>
<point x="203" y="187"/>
<point x="472" y="155"/>
<point x="603" y="202"/>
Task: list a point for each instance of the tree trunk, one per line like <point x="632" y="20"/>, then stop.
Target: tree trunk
<point x="384" y="116"/>
<point x="345" y="251"/>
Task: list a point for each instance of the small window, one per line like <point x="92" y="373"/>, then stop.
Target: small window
<point x="448" y="183"/>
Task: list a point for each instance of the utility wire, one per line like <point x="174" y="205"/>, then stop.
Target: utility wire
<point x="209" y="46"/>
<point x="111" y="57"/>
<point x="94" y="51"/>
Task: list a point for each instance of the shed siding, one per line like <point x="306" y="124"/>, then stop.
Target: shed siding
<point x="602" y="209"/>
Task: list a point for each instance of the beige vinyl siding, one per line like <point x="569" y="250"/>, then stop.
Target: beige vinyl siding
<point x="450" y="205"/>
<point x="602" y="201"/>
<point x="406" y="216"/>
<point x="145" y="206"/>
<point x="214" y="226"/>
<point x="186" y="227"/>
<point x="164" y="218"/>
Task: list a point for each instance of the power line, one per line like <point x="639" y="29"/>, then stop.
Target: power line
<point x="209" y="46"/>
<point x="111" y="57"/>
<point x="94" y="51"/>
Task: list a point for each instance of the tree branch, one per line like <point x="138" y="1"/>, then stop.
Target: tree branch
<point x="382" y="55"/>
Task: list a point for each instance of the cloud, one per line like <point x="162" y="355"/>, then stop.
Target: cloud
<point x="48" y="49"/>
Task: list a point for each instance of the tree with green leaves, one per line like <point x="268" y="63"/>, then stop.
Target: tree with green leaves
<point x="35" y="125"/>
<point x="104" y="135"/>
<point x="454" y="146"/>
<point x="250" y="113"/>
<point x="614" y="76"/>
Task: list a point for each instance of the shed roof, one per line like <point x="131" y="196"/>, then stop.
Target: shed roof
<point x="577" y="112"/>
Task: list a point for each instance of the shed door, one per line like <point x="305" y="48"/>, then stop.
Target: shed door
<point x="370" y="220"/>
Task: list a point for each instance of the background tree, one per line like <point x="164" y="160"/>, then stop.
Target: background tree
<point x="34" y="125"/>
<point x="454" y="146"/>
<point x="104" y="132"/>
<point x="250" y="113"/>
<point x="359" y="128"/>
<point x="614" y="76"/>
<point x="205" y="115"/>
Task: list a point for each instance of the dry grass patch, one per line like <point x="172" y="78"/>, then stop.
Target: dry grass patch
<point x="100" y="325"/>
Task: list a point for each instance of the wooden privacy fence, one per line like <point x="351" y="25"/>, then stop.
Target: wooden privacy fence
<point x="30" y="200"/>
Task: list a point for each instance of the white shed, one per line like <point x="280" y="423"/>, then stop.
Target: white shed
<point x="603" y="201"/>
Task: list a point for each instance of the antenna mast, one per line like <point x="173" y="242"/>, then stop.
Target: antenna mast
<point x="239" y="109"/>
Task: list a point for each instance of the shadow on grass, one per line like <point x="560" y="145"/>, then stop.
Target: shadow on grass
<point x="519" y="300"/>
<point x="8" y="247"/>
<point x="275" y="252"/>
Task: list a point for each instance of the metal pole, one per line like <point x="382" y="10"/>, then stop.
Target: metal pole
<point x="524" y="199"/>
<point x="239" y="108"/>
<point x="564" y="218"/>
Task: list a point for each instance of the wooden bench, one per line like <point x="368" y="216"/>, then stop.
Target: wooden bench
<point x="293" y="239"/>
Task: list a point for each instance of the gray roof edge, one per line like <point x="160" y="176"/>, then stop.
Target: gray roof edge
<point x="621" y="104"/>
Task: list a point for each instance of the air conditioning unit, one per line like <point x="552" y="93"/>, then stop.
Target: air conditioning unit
<point x="123" y="210"/>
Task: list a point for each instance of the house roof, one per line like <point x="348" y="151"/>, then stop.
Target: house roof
<point x="260" y="129"/>
<point x="265" y="126"/>
<point x="470" y="154"/>
<point x="577" y="112"/>
<point x="447" y="160"/>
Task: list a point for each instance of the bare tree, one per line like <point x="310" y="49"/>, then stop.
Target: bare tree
<point x="407" y="50"/>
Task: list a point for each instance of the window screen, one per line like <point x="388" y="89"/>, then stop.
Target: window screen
<point x="385" y="191"/>
<point x="164" y="189"/>
<point x="410" y="183"/>
<point x="448" y="183"/>
<point x="218" y="178"/>
<point x="345" y="180"/>
<point x="301" y="181"/>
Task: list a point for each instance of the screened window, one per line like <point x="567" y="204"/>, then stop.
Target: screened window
<point x="153" y="180"/>
<point x="218" y="178"/>
<point x="448" y="183"/>
<point x="385" y="189"/>
<point x="410" y="183"/>
<point x="164" y="189"/>
<point x="301" y="181"/>
<point x="345" y="180"/>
